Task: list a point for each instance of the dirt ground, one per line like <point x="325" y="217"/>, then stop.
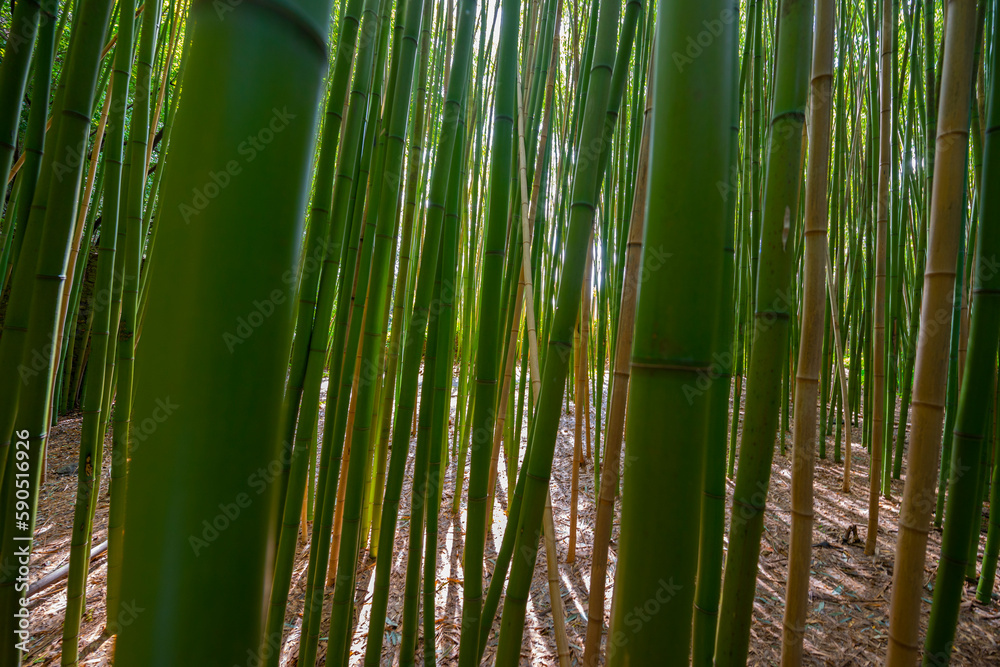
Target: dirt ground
<point x="849" y="597"/>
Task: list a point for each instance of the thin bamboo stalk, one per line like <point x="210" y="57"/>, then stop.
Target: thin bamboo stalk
<point x="879" y="304"/>
<point x="807" y="375"/>
<point x="842" y="374"/>
<point x="579" y="401"/>
<point x="619" y="395"/>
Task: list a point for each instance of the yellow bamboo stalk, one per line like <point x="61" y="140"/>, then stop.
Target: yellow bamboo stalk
<point x="811" y="346"/>
<point x="927" y="412"/>
<point x="20" y="160"/>
<point x="304" y="519"/>
<point x="585" y="326"/>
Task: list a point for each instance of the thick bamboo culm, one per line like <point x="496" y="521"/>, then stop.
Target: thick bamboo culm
<point x="932" y="346"/>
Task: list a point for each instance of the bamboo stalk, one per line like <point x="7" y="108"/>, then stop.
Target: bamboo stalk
<point x="772" y="311"/>
<point x="169" y="465"/>
<point x="963" y="518"/>
<point x="527" y="219"/>
<point x="619" y="394"/>
<point x="932" y="346"/>
<point x="178" y="11"/>
<point x="807" y="375"/>
<point x="580" y="403"/>
<point x="879" y="305"/>
<point x="842" y="374"/>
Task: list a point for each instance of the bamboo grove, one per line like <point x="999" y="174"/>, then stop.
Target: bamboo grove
<point x="300" y="265"/>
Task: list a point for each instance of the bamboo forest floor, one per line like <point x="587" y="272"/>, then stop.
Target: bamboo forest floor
<point x="849" y="597"/>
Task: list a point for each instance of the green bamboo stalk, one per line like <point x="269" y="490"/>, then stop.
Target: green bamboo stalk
<point x="771" y="315"/>
<point x="490" y="332"/>
<point x="987" y="578"/>
<point x="415" y="335"/>
<point x="327" y="215"/>
<point x="420" y="490"/>
<point x="308" y="324"/>
<point x="344" y="351"/>
<point x="38" y="288"/>
<point x="91" y="437"/>
<point x="24" y="26"/>
<point x="441" y="405"/>
<point x="665" y="374"/>
<point x="586" y="187"/>
<point x="752" y="234"/>
<point x="188" y="449"/>
<point x="373" y="345"/>
<point x="713" y="502"/>
<point x="128" y="324"/>
<point x="18" y="210"/>
<point x="400" y="295"/>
